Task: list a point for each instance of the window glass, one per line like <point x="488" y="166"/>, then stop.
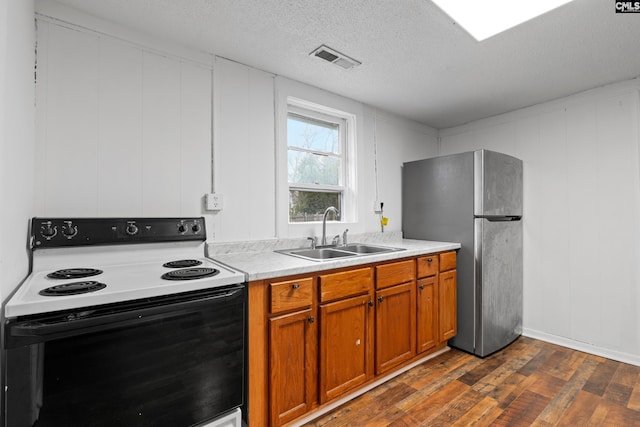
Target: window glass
<point x="307" y="206"/>
<point x="313" y="168"/>
<point x="314" y="135"/>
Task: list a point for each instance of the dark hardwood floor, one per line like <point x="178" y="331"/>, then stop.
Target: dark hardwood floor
<point x="530" y="382"/>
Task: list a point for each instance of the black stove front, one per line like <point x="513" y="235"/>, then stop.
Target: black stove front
<point x="170" y="361"/>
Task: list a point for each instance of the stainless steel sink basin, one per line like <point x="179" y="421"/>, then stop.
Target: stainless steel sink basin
<point x="367" y="249"/>
<point x="318" y="254"/>
<point x="325" y="254"/>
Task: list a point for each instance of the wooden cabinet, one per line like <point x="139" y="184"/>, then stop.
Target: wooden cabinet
<point x="292" y="350"/>
<point x="292" y="365"/>
<point x="345" y="345"/>
<point x="318" y="337"/>
<point x="291" y="294"/>
<point x="427" y="313"/>
<point x="395" y="314"/>
<point x="395" y="273"/>
<point x="395" y="326"/>
<point x="447" y="298"/>
<point x="346" y="331"/>
<point x="436" y="300"/>
<point x="428" y="265"/>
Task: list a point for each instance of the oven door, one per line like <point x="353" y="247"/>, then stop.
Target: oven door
<point x="169" y="361"/>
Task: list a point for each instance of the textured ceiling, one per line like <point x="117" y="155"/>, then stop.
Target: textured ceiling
<point x="416" y="62"/>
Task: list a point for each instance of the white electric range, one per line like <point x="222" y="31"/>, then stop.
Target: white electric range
<point x="117" y="304"/>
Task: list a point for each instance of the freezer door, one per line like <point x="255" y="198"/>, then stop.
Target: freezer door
<point x="498" y="253"/>
<point x="497" y="184"/>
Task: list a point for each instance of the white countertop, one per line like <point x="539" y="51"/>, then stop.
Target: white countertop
<point x="266" y="264"/>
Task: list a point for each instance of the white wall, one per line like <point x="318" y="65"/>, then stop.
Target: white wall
<point x="250" y="114"/>
<point x="581" y="214"/>
<point x="17" y="111"/>
<point x="122" y="130"/>
<point x="396" y="141"/>
<point x="244" y="152"/>
<point x="125" y="128"/>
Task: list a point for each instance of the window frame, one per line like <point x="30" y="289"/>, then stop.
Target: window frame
<point x="348" y="169"/>
<point x="320" y="118"/>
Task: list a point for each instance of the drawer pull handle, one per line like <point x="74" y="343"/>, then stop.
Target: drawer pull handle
<point x="429" y="259"/>
<point x="311" y="319"/>
<point x="295" y="285"/>
<point x="421" y="287"/>
<point x="370" y="303"/>
<point x="380" y="299"/>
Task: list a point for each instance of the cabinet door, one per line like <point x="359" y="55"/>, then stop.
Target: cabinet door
<point x="346" y="338"/>
<point x="292" y="365"/>
<point x="447" y="305"/>
<point x="427" y="313"/>
<point x="395" y="326"/>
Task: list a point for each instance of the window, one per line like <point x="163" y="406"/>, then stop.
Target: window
<point x="316" y="163"/>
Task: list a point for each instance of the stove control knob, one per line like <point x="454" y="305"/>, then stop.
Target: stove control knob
<point x="48" y="231"/>
<point x="69" y="230"/>
<point x="182" y="228"/>
<point x="196" y="228"/>
<point x="132" y="229"/>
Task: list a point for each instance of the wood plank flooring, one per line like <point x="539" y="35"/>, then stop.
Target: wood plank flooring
<point x="530" y="383"/>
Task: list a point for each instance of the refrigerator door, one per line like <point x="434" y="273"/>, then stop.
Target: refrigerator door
<point x="497" y="184"/>
<point x="498" y="282"/>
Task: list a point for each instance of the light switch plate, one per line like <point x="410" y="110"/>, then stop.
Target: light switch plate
<point x="213" y="202"/>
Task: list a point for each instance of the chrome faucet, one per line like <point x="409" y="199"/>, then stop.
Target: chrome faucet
<point x="324" y="223"/>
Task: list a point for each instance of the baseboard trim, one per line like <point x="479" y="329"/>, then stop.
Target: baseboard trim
<point x="632" y="359"/>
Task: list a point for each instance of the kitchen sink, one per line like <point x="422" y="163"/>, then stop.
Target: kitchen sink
<point x="360" y="248"/>
<point x="318" y="254"/>
<point x="325" y="254"/>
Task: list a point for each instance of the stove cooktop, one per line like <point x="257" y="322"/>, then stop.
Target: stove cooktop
<point x="120" y="282"/>
<point x="85" y="262"/>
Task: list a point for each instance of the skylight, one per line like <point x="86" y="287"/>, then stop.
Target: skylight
<point x="483" y="19"/>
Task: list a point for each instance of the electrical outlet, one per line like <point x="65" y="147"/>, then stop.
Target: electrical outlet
<point x="213" y="202"/>
<point x="377" y="207"/>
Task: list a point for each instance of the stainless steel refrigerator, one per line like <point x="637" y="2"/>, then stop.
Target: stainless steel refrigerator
<point x="473" y="198"/>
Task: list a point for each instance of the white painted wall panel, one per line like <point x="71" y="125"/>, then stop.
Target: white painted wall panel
<point x="160" y="136"/>
<point x="581" y="204"/>
<point x="618" y="212"/>
<point x="120" y="129"/>
<point x="583" y="178"/>
<point x="17" y="139"/>
<point x="244" y="152"/>
<point x="195" y="137"/>
<point x="397" y="142"/>
<point x="71" y="145"/>
<point x="262" y="182"/>
<point x="527" y="135"/>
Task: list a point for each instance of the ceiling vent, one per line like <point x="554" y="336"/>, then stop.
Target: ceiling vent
<point x="335" y="57"/>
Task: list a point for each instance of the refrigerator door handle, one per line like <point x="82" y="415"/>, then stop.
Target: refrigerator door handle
<point x="499" y="218"/>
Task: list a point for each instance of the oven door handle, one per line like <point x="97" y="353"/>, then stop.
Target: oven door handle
<point x="31" y="332"/>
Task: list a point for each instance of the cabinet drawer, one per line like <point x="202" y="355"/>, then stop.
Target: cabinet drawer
<point x="394" y="274"/>
<point x="447" y="261"/>
<point x="427" y="266"/>
<point x="291" y="294"/>
<point x="347" y="283"/>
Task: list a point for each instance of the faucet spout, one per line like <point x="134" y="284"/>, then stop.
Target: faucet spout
<point x="324" y="223"/>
